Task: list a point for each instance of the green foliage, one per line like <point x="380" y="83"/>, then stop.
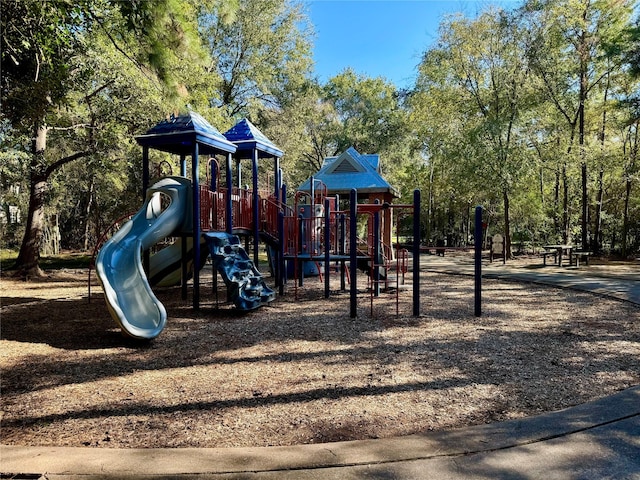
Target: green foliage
<point x="261" y="57"/>
<point x="494" y="118"/>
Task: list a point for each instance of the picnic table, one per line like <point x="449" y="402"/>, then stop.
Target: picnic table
<point x="558" y="251"/>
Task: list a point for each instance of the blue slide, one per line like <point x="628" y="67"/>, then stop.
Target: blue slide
<point x="129" y="297"/>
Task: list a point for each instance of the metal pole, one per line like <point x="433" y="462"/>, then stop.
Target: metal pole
<point x="229" y="206"/>
<point x="353" y="253"/>
<point x="281" y="272"/>
<point x="416" y="253"/>
<point x="196" y="227"/>
<point x="376" y="251"/>
<point x="256" y="209"/>
<point x="145" y="186"/>
<point x="478" y="262"/>
<point x="327" y="245"/>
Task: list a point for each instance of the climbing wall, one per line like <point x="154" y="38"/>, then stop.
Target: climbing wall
<point x="245" y="285"/>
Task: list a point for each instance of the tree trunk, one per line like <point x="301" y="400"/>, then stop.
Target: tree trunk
<point x="87" y="212"/>
<point x="583" y="51"/>
<point x="584" y="237"/>
<point x="625" y="218"/>
<point x="565" y="205"/>
<point x="27" y="264"/>
<point x="556" y="204"/>
<point x="507" y="226"/>
<point x="597" y="244"/>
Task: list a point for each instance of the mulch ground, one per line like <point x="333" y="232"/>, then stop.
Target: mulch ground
<point x="300" y="370"/>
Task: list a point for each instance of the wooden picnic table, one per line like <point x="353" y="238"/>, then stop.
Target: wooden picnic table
<point x="560" y="251"/>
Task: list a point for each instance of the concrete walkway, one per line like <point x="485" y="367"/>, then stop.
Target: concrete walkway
<point x="591" y="441"/>
<point x="597" y="440"/>
<point x="612" y="282"/>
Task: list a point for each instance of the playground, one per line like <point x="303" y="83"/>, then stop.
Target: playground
<point x="304" y="371"/>
<point x="344" y="335"/>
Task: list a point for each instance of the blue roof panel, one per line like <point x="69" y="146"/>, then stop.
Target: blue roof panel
<point x="178" y="135"/>
<point x="246" y="136"/>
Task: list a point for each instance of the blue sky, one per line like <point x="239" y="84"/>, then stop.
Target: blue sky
<point x="381" y="37"/>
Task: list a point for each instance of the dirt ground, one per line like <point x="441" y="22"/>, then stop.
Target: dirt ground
<point x="300" y="370"/>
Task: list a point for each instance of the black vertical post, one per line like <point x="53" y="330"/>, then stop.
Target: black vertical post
<point x="229" y="206"/>
<point x="299" y="264"/>
<point x="196" y="227"/>
<point x="327" y="246"/>
<point x="145" y="186"/>
<point x="256" y="208"/>
<point x="342" y="243"/>
<point x="376" y="251"/>
<point x="353" y="252"/>
<point x="478" y="262"/>
<point x="416" y="253"/>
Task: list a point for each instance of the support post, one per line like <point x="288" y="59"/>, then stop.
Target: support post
<point x="416" y="253"/>
<point x="376" y="251"/>
<point x="280" y="272"/>
<point x="327" y="246"/>
<point x="196" y="227"/>
<point x="145" y="186"/>
<point x="342" y="246"/>
<point x="353" y="252"/>
<point x="256" y="208"/>
<point x="229" y="206"/>
<point x="477" y="237"/>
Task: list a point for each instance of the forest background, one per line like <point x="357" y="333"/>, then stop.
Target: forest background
<point x="532" y="113"/>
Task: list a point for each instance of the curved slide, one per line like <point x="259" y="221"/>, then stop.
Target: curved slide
<point x="119" y="264"/>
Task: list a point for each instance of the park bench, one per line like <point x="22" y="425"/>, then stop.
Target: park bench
<point x="579" y="255"/>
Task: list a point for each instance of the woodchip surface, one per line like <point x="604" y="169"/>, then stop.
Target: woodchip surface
<point x="300" y="370"/>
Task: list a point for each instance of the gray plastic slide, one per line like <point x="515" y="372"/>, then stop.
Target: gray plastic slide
<point x="119" y="264"/>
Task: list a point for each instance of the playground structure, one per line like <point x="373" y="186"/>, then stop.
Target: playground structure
<point x="208" y="219"/>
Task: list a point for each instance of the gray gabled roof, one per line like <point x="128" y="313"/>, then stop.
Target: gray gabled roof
<point x="351" y="170"/>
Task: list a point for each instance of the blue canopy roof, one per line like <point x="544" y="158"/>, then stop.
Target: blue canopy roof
<point x="247" y="137"/>
<point x="179" y="135"/>
<point x="350" y="170"/>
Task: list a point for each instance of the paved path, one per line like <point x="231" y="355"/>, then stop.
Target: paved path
<point x="597" y="440"/>
<point x="624" y="285"/>
<point x="592" y="441"/>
